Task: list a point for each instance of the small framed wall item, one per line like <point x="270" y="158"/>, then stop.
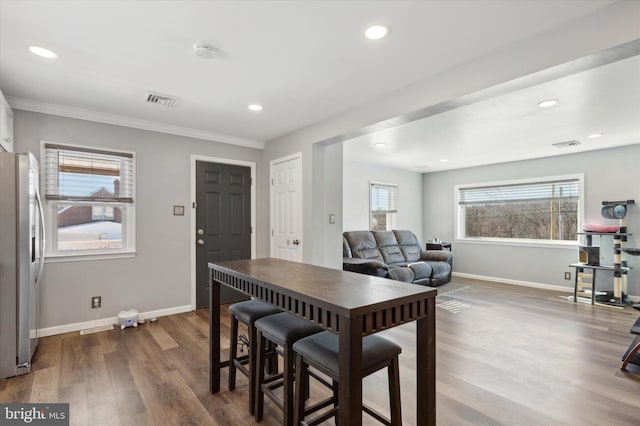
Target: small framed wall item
<point x="178" y="210"/>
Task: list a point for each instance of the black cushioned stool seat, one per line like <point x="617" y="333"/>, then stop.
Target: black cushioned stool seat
<point x="247" y="312"/>
<point x="321" y="352"/>
<point x="282" y="329"/>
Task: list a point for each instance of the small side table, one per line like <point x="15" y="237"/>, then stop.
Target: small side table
<point x="438" y="246"/>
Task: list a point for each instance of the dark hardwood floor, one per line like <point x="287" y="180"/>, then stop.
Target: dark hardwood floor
<point x="506" y="356"/>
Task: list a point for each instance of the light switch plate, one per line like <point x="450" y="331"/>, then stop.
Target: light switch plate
<point x="178" y="210"/>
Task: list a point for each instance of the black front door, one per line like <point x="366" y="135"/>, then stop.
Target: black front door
<point x="223" y="223"/>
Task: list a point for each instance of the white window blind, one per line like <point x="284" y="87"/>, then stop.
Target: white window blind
<point x="538" y="209"/>
<point x="85" y="174"/>
<point x="384" y="198"/>
<point x="539" y="191"/>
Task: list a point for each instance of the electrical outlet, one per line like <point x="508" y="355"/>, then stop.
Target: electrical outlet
<point x="96" y="302"/>
<point x="567" y="275"/>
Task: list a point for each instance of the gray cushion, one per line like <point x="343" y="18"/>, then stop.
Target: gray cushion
<point x="421" y="270"/>
<point x="285" y="328"/>
<point x="388" y="247"/>
<point x="408" y="244"/>
<point x="322" y="349"/>
<point x="363" y="245"/>
<point x="346" y="250"/>
<point x="251" y="310"/>
<point x="401" y="274"/>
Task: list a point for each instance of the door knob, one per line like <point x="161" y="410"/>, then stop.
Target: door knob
<point x="200" y="231"/>
<point x="200" y="242"/>
<point x="296" y="242"/>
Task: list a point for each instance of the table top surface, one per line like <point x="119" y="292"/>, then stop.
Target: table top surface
<point x="324" y="286"/>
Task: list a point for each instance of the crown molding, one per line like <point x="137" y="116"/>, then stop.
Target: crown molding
<point x="120" y="120"/>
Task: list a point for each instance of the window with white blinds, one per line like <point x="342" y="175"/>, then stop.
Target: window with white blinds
<point x="90" y="194"/>
<point x="537" y="209"/>
<point x="83" y="174"/>
<point x="383" y="202"/>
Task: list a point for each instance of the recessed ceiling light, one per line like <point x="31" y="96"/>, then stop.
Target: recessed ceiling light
<point x="594" y="135"/>
<point x="547" y="103"/>
<point x="255" y="107"/>
<point x="376" y="32"/>
<point x="42" y="52"/>
<point x="379" y="144"/>
<point x="444" y="160"/>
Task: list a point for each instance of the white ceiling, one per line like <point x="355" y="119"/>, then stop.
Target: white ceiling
<point x="303" y="61"/>
<point x="512" y="127"/>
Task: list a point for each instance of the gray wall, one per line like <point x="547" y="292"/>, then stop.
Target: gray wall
<point x="356" y="195"/>
<point x="158" y="277"/>
<point x="611" y="174"/>
<point x="608" y="27"/>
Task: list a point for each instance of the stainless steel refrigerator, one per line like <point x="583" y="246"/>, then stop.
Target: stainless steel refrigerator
<point x="21" y="261"/>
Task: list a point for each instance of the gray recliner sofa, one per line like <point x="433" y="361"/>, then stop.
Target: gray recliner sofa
<point x="395" y="254"/>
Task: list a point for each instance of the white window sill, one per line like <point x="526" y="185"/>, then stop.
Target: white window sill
<point x="83" y="257"/>
<point x="566" y="245"/>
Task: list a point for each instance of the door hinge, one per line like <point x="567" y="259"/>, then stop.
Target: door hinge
<point x="195" y="205"/>
<point x="251" y="229"/>
<point x="272" y="232"/>
<point x="271" y="182"/>
<point x="250" y="181"/>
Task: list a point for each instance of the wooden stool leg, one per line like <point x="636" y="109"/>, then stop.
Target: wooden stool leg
<point x="287" y="387"/>
<point x="253" y="351"/>
<point x="301" y="384"/>
<point x="233" y="353"/>
<point x="335" y="401"/>
<point x="260" y="367"/>
<point x="272" y="360"/>
<point x="630" y="356"/>
<point x="394" y="392"/>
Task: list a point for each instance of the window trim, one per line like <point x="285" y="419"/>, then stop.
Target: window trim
<point x="128" y="217"/>
<point x="459" y="225"/>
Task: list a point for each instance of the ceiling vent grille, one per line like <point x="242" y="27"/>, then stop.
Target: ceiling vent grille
<point x="158" y="99"/>
<point x="566" y="144"/>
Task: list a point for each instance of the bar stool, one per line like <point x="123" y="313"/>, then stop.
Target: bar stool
<point x="247" y="312"/>
<point x="284" y="330"/>
<point x="321" y="352"/>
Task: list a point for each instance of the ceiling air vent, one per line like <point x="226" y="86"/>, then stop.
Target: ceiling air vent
<point x="158" y="99"/>
<point x="566" y="144"/>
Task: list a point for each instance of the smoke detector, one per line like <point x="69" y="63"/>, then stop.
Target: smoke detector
<point x="205" y="51"/>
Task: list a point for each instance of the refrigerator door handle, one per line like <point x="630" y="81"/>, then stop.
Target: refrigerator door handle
<point x="42" y="235"/>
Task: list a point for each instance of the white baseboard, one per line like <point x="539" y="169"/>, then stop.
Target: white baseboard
<point x="77" y="326"/>
<point x="525" y="283"/>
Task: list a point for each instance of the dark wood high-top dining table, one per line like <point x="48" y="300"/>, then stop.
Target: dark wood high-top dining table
<point x="349" y="304"/>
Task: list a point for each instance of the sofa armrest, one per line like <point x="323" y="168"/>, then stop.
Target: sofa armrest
<point x="365" y="266"/>
<point x="437" y="255"/>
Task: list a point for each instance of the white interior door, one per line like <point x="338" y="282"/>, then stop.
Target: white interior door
<point x="286" y="208"/>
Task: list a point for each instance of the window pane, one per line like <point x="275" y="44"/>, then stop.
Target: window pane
<point x="539" y="211"/>
<point x="89" y="227"/>
<point x="383" y="197"/>
<point x="528" y="220"/>
<point x="379" y="221"/>
<point x="88" y="185"/>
